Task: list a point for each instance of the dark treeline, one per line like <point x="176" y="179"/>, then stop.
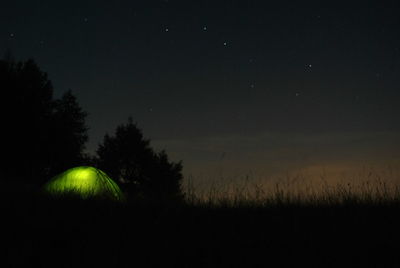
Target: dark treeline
<point x="44" y="136"/>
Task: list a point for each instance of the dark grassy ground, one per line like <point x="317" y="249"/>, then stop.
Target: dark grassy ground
<point x="43" y="232"/>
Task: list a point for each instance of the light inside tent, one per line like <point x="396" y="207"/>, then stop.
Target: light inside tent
<point x="86" y="182"/>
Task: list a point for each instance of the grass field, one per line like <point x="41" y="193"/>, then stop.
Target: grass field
<point x="342" y="226"/>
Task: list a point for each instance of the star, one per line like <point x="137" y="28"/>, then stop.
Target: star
<point x="166" y="29"/>
<point x="297" y="94"/>
<point x="205" y="28"/>
<point x="12" y="35"/>
<point x="85" y="19"/>
<point x="225" y="43"/>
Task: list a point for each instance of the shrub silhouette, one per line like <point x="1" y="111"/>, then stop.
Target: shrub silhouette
<point x="143" y="173"/>
<point x="43" y="136"/>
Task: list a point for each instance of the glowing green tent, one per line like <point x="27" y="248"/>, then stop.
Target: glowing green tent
<point x="86" y="182"/>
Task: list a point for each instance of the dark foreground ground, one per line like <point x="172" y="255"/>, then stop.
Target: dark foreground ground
<point x="40" y="232"/>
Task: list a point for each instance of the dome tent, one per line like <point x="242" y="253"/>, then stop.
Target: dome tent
<point x="85" y="182"/>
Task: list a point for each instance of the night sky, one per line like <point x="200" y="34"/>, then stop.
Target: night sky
<point x="231" y="88"/>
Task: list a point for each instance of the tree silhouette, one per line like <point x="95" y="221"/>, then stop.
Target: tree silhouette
<point x="69" y="128"/>
<point x="42" y="135"/>
<point x="143" y="173"/>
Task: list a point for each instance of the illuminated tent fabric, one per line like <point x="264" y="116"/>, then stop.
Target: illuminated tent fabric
<point x="86" y="182"/>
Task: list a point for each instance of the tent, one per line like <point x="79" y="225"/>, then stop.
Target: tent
<point x="86" y="182"/>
